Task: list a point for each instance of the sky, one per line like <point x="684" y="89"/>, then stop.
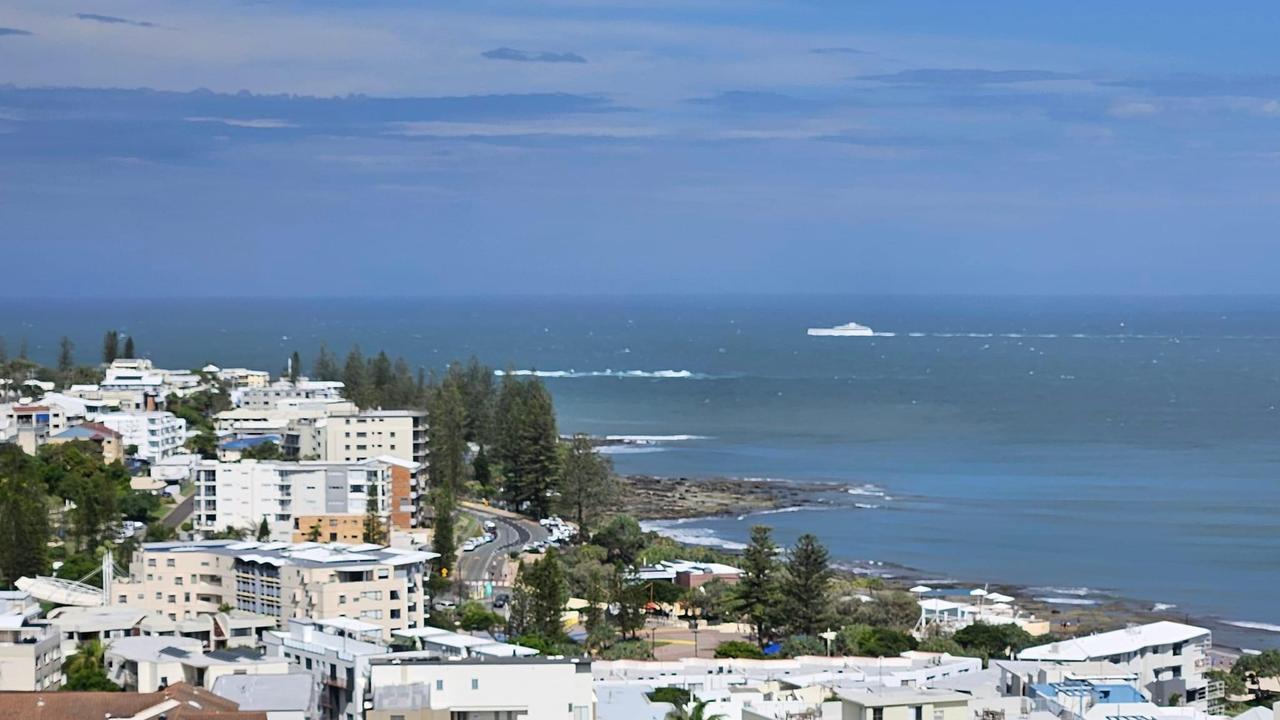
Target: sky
<point x="396" y="147"/>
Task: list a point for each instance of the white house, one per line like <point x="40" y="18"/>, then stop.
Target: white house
<point x="156" y="434"/>
<point x="336" y="653"/>
<point x="433" y="689"/>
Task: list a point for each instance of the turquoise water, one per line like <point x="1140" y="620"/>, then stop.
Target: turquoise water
<point x="1101" y="446"/>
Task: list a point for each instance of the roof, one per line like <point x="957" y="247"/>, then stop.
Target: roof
<point x="890" y="697"/>
<point x="1116" y="642"/>
<point x="179" y="701"/>
<point x="249" y="442"/>
<point x="269" y="693"/>
<point x="337" y="556"/>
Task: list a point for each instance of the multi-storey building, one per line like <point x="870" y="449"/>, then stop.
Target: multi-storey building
<point x="291" y="496"/>
<point x="284" y="393"/>
<point x="411" y="687"/>
<point x="30" y="653"/>
<point x="336" y="651"/>
<point x="382" y="586"/>
<point x="1168" y="658"/>
<point x="359" y="436"/>
<point x="155" y="435"/>
<point x="31" y="426"/>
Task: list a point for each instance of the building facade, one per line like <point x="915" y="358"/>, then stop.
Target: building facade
<point x="336" y="652"/>
<point x="481" y="689"/>
<point x="30" y="652"/>
<point x="156" y="435"/>
<point x="382" y="586"/>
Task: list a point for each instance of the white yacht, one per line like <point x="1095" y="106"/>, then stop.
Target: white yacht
<point x="852" y="329"/>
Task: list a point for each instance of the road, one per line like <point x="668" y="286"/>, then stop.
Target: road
<point x="512" y="533"/>
<point x="180" y="512"/>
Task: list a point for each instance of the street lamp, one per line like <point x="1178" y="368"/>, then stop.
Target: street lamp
<point x="829" y="636"/>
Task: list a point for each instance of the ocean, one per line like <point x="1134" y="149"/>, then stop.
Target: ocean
<point x="1089" y="448"/>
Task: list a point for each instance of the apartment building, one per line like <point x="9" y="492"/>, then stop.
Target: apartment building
<point x="30" y="652"/>
<point x="336" y="652"/>
<point x="903" y="704"/>
<point x="30" y="426"/>
<point x="417" y="688"/>
<point x="359" y="436"/>
<point x="156" y="435"/>
<point x="217" y="631"/>
<point x="1168" y="658"/>
<point x="292" y="496"/>
<point x="149" y="664"/>
<point x="382" y="586"/>
<point x="284" y="393"/>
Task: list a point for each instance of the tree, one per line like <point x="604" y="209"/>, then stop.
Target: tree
<point x="447" y="439"/>
<point x="806" y="587"/>
<point x="526" y="444"/>
<point x="874" y="641"/>
<point x="475" y="617"/>
<point x="622" y="539"/>
<point x="380" y="374"/>
<point x="313" y="532"/>
<point x="86" y="670"/>
<point x="326" y="366"/>
<point x="739" y="649"/>
<point x="539" y="598"/>
<point x="443" y="536"/>
<point x="264" y="530"/>
<point x="708" y="600"/>
<point x="375" y="531"/>
<point x="1000" y="641"/>
<point x="129" y="350"/>
<point x="268" y="450"/>
<point x="353" y="378"/>
<point x="475" y="381"/>
<point x="138" y="505"/>
<point x="110" y="347"/>
<point x="295" y="367"/>
<point x="697" y="712"/>
<point x="586" y="483"/>
<point x="204" y="444"/>
<point x="756" y="595"/>
<point x="480" y="470"/>
<point x="628" y="600"/>
<point x="24" y="517"/>
<point x="66" y="357"/>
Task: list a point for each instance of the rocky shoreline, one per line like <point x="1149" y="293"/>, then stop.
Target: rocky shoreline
<point x="651" y="498"/>
<point x="667" y="498"/>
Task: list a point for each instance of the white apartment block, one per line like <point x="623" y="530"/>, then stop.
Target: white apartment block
<point x="382" y="586"/>
<point x="360" y="436"/>
<point x="241" y="494"/>
<point x="1167" y="658"/>
<point x="149" y="664"/>
<point x="336" y="652"/>
<point x="283" y="393"/>
<point x="30" y="653"/>
<point x="156" y="435"/>
<point x="415" y="688"/>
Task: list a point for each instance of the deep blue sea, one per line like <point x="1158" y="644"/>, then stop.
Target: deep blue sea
<point x="1093" y="447"/>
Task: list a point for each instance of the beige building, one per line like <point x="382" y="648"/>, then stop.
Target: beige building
<point x="356" y="437"/>
<point x="110" y="441"/>
<point x="147" y="664"/>
<point x="383" y="586"/>
<point x="404" y="687"/>
<point x="329" y="528"/>
<point x="904" y="703"/>
<point x="30" y="653"/>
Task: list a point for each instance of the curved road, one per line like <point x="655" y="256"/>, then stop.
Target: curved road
<point x="512" y="533"/>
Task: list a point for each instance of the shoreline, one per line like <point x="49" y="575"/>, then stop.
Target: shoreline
<point x="669" y="506"/>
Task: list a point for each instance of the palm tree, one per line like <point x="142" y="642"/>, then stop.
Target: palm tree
<point x="89" y="657"/>
<point x="697" y="712"/>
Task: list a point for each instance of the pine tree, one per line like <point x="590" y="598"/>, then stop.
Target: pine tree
<point x="129" y="350"/>
<point x="295" y="367"/>
<point x="4" y="351"/>
<point x="380" y="377"/>
<point x="806" y="587"/>
<point x="24" y="517"/>
<point x="526" y="444"/>
<point x="353" y="377"/>
<point x="326" y="367"/>
<point x="756" y="595"/>
<point x="447" y="441"/>
<point x="264" y="530"/>
<point x="110" y="347"/>
<point x="374" y="530"/>
<point x="541" y="593"/>
<point x="443" y="531"/>
<point x="480" y="470"/>
<point x="586" y="486"/>
<point x="66" y="357"/>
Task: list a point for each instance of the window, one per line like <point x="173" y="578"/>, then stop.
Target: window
<point x="151" y="562"/>
<point x="439" y="684"/>
<point x="919" y="714"/>
<point x="395" y="614"/>
<point x="475" y="683"/>
<point x="169" y="562"/>
<point x="937" y="714"/>
<point x="342" y="599"/>
<point x="177" y="581"/>
<point x="877" y="714"/>
<point x="173" y="599"/>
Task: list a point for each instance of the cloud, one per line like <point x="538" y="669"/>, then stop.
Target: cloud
<point x="967" y="76"/>
<point x="1188" y="85"/>
<point x="113" y="20"/>
<point x="840" y="51"/>
<point x="506" y="53"/>
<point x="750" y="101"/>
<point x="1133" y="109"/>
<point x="13" y="31"/>
<point x="256" y="123"/>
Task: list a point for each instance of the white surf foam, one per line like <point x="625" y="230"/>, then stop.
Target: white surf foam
<point x="607" y="373"/>
<point x="1161" y="607"/>
<point x="1066" y="600"/>
<point x="1249" y="625"/>
<point x="652" y="439"/>
<point x="677" y="531"/>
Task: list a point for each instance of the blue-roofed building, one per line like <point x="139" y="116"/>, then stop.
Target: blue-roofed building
<point x="232" y="450"/>
<point x="1077" y="697"/>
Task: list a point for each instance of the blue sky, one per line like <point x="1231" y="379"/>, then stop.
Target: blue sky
<point x="152" y="147"/>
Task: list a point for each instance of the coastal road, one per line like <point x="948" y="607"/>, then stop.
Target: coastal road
<point x="512" y="533"/>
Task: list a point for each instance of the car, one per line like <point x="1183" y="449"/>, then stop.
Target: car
<point x="500" y="601"/>
<point x="444" y="605"/>
<point x="490" y="525"/>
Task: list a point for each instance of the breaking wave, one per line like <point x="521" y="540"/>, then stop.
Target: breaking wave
<point x="677" y="531"/>
<point x="1066" y="600"/>
<point x="652" y="439"/>
<point x="607" y="373"/>
<point x="1248" y="625"/>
